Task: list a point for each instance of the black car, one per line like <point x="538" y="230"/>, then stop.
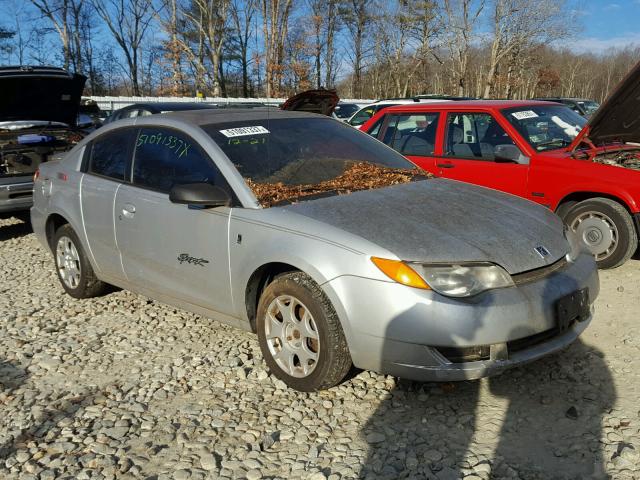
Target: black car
<point x="582" y="106"/>
<point x="152" y="108"/>
<point x="38" y="120"/>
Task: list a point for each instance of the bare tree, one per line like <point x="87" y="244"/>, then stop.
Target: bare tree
<point x="242" y="14"/>
<point x="460" y="18"/>
<point x="209" y="18"/>
<point x="332" y="28"/>
<point x="57" y="12"/>
<point x="128" y="21"/>
<point x="519" y="23"/>
<point x="357" y="16"/>
<point x="169" y="17"/>
<point x="275" y="25"/>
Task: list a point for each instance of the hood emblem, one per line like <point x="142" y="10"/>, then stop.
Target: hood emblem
<point x="542" y="251"/>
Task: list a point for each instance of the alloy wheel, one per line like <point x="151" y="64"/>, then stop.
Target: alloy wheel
<point x="68" y="262"/>
<point x="292" y="336"/>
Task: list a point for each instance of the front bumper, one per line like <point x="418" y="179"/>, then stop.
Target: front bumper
<point x="16" y="196"/>
<point x="403" y="331"/>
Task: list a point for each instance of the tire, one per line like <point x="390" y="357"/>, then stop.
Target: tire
<point x="605" y="228"/>
<point x="293" y="310"/>
<point x="72" y="265"/>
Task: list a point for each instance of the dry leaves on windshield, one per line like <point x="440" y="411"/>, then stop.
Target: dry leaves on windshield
<point x="360" y="176"/>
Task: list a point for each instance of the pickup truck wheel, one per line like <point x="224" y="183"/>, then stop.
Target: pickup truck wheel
<point x="606" y="229"/>
<point x="73" y="267"/>
<point x="300" y="334"/>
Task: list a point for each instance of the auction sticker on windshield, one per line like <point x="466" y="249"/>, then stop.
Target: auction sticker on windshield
<point x="242" y="131"/>
<point x="524" y="114"/>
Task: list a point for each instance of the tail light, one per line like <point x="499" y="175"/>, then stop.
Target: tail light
<point x="36" y="175"/>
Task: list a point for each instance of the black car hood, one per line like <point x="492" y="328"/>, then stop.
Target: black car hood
<point x="315" y="101"/>
<point x="50" y="95"/>
<point x="618" y="118"/>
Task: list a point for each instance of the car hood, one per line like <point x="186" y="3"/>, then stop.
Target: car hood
<point x="314" y="101"/>
<point x="40" y="96"/>
<point x="617" y="119"/>
<point x="444" y="221"/>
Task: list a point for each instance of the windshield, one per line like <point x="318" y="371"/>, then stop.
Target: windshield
<point x="546" y="127"/>
<point x="589" y="106"/>
<point x="345" y="110"/>
<point x="285" y="159"/>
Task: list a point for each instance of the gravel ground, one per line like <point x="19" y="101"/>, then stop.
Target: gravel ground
<point x="124" y="387"/>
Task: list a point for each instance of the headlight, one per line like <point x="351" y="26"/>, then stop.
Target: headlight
<point x="465" y="280"/>
<point x="575" y="246"/>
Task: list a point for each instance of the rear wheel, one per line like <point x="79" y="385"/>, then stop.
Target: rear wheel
<point x="300" y="334"/>
<point x="72" y="265"/>
<point x="605" y="228"/>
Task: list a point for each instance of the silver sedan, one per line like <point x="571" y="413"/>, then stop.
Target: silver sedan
<point x="333" y="248"/>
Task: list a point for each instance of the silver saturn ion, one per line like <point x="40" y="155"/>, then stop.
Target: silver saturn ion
<point x="332" y="247"/>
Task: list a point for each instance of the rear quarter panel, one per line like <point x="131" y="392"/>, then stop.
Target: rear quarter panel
<point x="57" y="191"/>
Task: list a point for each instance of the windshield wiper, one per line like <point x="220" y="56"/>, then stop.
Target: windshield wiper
<point x="563" y="143"/>
<point x="311" y="196"/>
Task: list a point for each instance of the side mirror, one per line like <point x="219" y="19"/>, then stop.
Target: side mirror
<point x="202" y="194"/>
<point x="509" y="153"/>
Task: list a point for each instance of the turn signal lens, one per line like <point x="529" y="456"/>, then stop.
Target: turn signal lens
<point x="400" y="272"/>
<point x="36" y="175"/>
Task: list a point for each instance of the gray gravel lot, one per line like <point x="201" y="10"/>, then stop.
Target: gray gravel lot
<point x="124" y="387"/>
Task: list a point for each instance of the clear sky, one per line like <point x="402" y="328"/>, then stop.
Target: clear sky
<point x="607" y="24"/>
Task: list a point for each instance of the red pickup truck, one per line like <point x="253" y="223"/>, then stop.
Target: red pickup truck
<point x="587" y="172"/>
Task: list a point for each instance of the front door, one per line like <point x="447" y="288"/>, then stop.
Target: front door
<point x="470" y="140"/>
<point x="173" y="249"/>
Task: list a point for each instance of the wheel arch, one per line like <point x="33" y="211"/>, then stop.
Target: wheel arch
<point x="258" y="281"/>
<point x="53" y="223"/>
<point x="569" y="200"/>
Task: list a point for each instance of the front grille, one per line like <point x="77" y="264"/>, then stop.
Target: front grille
<point x="538" y="273"/>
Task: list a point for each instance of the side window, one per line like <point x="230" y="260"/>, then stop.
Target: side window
<point x="412" y="134"/>
<point x="164" y="158"/>
<point x="110" y="154"/>
<point x="362" y="116"/>
<point x="474" y="136"/>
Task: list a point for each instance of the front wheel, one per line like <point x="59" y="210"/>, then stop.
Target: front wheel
<point x="72" y="265"/>
<point x="605" y="228"/>
<point x="300" y="334"/>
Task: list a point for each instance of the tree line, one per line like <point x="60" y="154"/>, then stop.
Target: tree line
<point x="364" y="48"/>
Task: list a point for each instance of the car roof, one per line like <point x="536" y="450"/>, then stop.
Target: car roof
<point x="227" y="115"/>
<point x="169" y="106"/>
<point x="560" y="99"/>
<point x="468" y="104"/>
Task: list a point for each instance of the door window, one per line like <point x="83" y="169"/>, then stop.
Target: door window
<point x="412" y="134"/>
<point x="165" y="157"/>
<point x="110" y="154"/>
<point x="474" y="136"/>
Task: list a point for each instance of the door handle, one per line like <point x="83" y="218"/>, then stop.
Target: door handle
<point x="128" y="210"/>
<point x="446" y="165"/>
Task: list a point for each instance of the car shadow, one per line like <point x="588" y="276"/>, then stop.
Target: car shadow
<point x="542" y="420"/>
<point x="14" y="230"/>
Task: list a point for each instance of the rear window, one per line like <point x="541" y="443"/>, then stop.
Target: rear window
<point x="302" y="156"/>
